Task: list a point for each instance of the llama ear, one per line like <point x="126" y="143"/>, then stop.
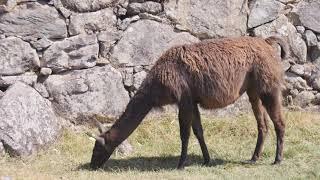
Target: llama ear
<point x="101" y="128"/>
<point x="96" y="138"/>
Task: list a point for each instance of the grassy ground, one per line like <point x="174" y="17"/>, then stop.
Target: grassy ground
<point x="157" y="148"/>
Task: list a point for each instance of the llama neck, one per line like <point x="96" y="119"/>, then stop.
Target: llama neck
<point x="136" y="110"/>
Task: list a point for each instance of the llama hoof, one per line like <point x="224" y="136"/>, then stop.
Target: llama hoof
<point x="251" y="161"/>
<point x="180" y="167"/>
<point x="206" y="163"/>
<point x="276" y="162"/>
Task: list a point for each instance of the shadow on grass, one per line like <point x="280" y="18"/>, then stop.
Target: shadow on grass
<point x="153" y="163"/>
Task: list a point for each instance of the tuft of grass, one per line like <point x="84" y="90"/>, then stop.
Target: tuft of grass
<point x="157" y="147"/>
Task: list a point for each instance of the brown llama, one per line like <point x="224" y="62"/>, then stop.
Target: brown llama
<point x="213" y="74"/>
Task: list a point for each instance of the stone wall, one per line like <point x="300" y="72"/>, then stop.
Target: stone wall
<point x="89" y="57"/>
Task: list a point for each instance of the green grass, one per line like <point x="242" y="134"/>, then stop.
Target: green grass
<point x="157" y="148"/>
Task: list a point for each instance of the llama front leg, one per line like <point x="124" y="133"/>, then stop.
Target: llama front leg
<point x="198" y="132"/>
<point x="185" y="121"/>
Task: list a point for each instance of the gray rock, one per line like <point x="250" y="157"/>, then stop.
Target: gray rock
<point x="127" y="77"/>
<point x="33" y="21"/>
<point x="107" y="40"/>
<point x="315" y="53"/>
<point x="294" y="81"/>
<point x="1" y="94"/>
<point x="2" y="150"/>
<point x="210" y="18"/>
<point x="294" y="92"/>
<point x="72" y="53"/>
<point x="264" y="11"/>
<point x="282" y="27"/>
<point x="28" y="121"/>
<point x="142" y="45"/>
<point x="41" y="44"/>
<point x="315" y="80"/>
<point x="304" y="98"/>
<point x="28" y="78"/>
<point x="138" y="79"/>
<point x="123" y="25"/>
<point x="289" y="1"/>
<point x="16" y="56"/>
<point x="125" y="148"/>
<point x="146" y="7"/>
<point x="42" y="90"/>
<point x="61" y="8"/>
<point x="9" y="5"/>
<point x="97" y="90"/>
<point x="297" y="69"/>
<point x="45" y="71"/>
<point x="317" y="99"/>
<point x="285" y="65"/>
<point x="300" y="29"/>
<point x="307" y="14"/>
<point x="311" y="38"/>
<point x="92" y="22"/>
<point x="87" y="5"/>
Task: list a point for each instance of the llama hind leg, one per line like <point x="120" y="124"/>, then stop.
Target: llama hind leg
<point x="198" y="132"/>
<point x="261" y="118"/>
<point x="185" y="121"/>
<point x="272" y="103"/>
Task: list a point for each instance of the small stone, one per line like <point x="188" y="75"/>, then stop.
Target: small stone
<point x="45" y="71"/>
<point x="138" y="79"/>
<point x="285" y="65"/>
<point x="125" y="148"/>
<point x="41" y="44"/>
<point x="128" y="77"/>
<point x="294" y="92"/>
<point x="315" y="53"/>
<point x="137" y="69"/>
<point x="1" y="94"/>
<point x="315" y="82"/>
<point x="317" y="99"/>
<point x="297" y="69"/>
<point x="2" y="150"/>
<point x="123" y="25"/>
<point x="300" y="29"/>
<point x="311" y="38"/>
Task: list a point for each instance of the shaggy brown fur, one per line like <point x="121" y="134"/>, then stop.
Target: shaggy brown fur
<point x="213" y="74"/>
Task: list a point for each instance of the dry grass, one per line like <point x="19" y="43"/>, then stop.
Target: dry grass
<point x="157" y="148"/>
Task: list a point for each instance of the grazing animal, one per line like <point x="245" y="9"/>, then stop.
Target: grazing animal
<point x="213" y="74"/>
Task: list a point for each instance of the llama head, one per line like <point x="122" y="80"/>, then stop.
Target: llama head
<point x="103" y="148"/>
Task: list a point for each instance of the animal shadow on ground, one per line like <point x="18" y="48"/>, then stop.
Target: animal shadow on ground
<point x="153" y="163"/>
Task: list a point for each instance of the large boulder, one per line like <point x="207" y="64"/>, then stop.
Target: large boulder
<point x="8" y="5"/>
<point x="210" y="18"/>
<point x="264" y="11"/>
<point x="27" y="78"/>
<point x="33" y="21"/>
<point x="146" y="7"/>
<point x="87" y="5"/>
<point x="72" y="53"/>
<point x="28" y="121"/>
<point x="282" y="27"/>
<point x="16" y="56"/>
<point x="306" y="13"/>
<point x="142" y="45"/>
<point x="92" y="22"/>
<point x="80" y="93"/>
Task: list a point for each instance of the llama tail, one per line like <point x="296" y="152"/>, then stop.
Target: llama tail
<point x="272" y="40"/>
